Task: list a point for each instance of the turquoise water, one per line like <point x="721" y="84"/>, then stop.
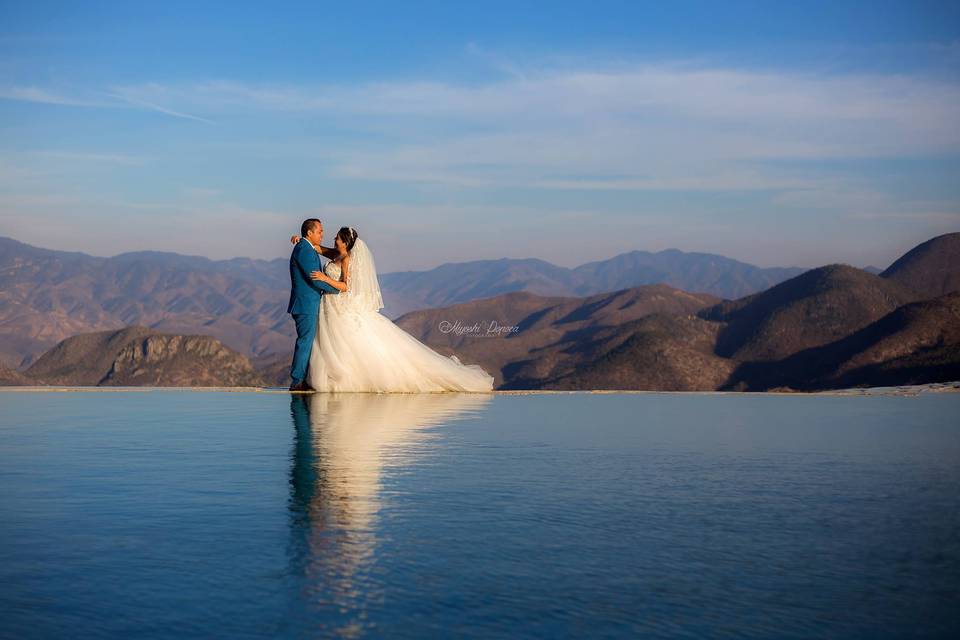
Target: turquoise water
<point x="239" y="515"/>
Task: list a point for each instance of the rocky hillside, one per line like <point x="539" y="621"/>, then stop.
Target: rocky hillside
<point x="12" y="378"/>
<point x="914" y="344"/>
<point x="503" y="332"/>
<point x="138" y="356"/>
<point x="660" y="352"/>
<point x="814" y="308"/>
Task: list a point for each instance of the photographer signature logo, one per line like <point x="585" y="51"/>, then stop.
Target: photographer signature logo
<point x="491" y="329"/>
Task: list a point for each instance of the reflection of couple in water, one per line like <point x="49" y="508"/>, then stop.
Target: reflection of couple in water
<point x="344" y="445"/>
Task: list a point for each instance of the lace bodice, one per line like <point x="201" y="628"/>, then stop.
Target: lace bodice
<point x="339" y="301"/>
<point x="332" y="269"/>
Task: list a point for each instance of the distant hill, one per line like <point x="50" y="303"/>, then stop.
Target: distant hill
<point x="460" y="282"/>
<point x="814" y="308"/>
<point x="914" y="344"/>
<point x="138" y="356"/>
<point x="700" y="272"/>
<point x="931" y="269"/>
<point x="658" y="352"/>
<point x="455" y="283"/>
<point x="548" y="328"/>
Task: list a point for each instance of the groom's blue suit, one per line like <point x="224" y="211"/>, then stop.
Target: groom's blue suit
<point x="305" y="295"/>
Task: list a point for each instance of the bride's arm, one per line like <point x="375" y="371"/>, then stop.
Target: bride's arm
<point x="341" y="284"/>
<point x="326" y="252"/>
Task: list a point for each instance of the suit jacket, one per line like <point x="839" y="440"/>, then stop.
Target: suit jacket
<point x="305" y="293"/>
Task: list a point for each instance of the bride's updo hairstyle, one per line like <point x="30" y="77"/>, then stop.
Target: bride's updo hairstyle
<point x="349" y="236"/>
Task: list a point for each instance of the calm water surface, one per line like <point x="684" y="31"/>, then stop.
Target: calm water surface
<point x="176" y="514"/>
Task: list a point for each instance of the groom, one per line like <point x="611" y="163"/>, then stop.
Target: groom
<point x="305" y="297"/>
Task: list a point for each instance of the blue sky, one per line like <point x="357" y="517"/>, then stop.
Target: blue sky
<point x="778" y="133"/>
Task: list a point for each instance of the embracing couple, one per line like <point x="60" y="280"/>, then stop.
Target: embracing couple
<point x="344" y="343"/>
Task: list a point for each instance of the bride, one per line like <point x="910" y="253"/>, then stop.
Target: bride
<point x="356" y="348"/>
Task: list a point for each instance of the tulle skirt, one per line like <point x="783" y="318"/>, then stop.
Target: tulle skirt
<point x="366" y="351"/>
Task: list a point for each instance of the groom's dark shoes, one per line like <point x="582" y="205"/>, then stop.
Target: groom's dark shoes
<point x="301" y="386"/>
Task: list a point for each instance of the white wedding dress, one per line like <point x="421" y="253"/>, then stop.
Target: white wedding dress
<point x="359" y="349"/>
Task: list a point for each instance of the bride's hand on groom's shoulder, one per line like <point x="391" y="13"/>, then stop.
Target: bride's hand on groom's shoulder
<point x="294" y="239"/>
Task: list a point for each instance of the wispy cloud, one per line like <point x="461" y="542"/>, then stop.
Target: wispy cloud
<point x="156" y="107"/>
<point x="713" y="93"/>
<point x="698" y="111"/>
<point x="88" y="100"/>
<point x="666" y="126"/>
<point x="47" y="96"/>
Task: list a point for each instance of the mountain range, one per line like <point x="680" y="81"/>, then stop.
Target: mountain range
<point x="47" y="296"/>
<point x="827" y="327"/>
<point x="698" y="272"/>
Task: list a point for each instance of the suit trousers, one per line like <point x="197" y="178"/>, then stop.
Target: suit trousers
<point x="306" y="330"/>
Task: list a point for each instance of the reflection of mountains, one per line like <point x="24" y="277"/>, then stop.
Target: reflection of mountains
<point x="343" y="445"/>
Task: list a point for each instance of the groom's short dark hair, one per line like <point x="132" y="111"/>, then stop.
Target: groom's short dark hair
<point x="308" y="224"/>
